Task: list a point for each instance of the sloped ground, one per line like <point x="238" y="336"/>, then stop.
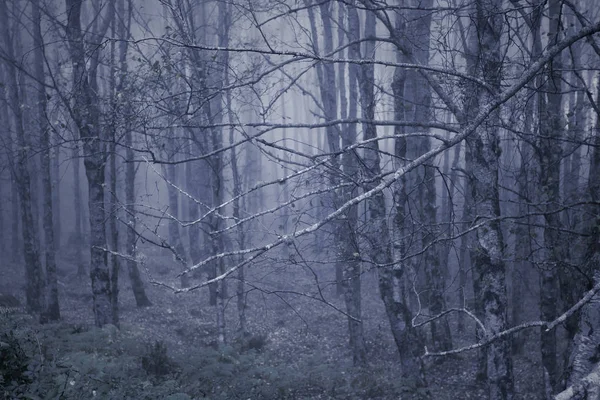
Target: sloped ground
<point x="299" y="352"/>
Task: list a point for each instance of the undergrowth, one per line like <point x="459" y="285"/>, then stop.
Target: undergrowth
<point x="62" y="361"/>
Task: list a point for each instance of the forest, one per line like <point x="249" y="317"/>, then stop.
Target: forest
<point x="300" y="199"/>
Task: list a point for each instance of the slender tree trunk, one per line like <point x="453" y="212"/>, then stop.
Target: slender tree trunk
<point x="522" y="242"/>
<point x="113" y="230"/>
<point x="174" y="234"/>
<point x="139" y="292"/>
<point x="407" y="340"/>
<point x="111" y="203"/>
<point x="216" y="224"/>
<point x="241" y="236"/>
<point x="137" y="284"/>
<point x="217" y="164"/>
<point x="14" y="232"/>
<point x="4" y="197"/>
<point x="16" y="228"/>
<point x="348" y="247"/>
<point x="449" y="214"/>
<point x="77" y="206"/>
<point x="329" y="92"/>
<point x="194" y="172"/>
<point x="55" y="163"/>
<point x="237" y="190"/>
<point x="33" y="269"/>
<point x="549" y="154"/>
<point x="52" y="308"/>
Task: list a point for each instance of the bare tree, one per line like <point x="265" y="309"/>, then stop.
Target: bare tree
<point x="87" y="116"/>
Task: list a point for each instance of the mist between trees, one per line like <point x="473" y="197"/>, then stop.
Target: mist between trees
<point x="438" y="160"/>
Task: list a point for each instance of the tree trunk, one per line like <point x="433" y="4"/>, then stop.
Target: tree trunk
<point x="549" y="154"/>
<point x="139" y="292"/>
<point x="52" y="309"/>
<point x="3" y="195"/>
<point x="14" y="213"/>
<point x="348" y="245"/>
<point x="16" y="228"/>
<point x="522" y="243"/>
<point x="33" y="269"/>
<point x="78" y="240"/>
<point x="215" y="116"/>
<point x="174" y="234"/>
<point x="86" y="113"/>
<point x="407" y="340"/>
<point x="55" y="164"/>
<point x="113" y="230"/>
<point x="111" y="203"/>
<point x="483" y="162"/>
<point x="137" y="284"/>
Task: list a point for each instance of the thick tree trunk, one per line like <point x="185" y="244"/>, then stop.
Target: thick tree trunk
<point x="33" y="269"/>
<point x="482" y="163"/>
<point x="86" y="113"/>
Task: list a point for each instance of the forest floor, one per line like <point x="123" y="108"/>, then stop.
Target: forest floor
<point x="167" y="351"/>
